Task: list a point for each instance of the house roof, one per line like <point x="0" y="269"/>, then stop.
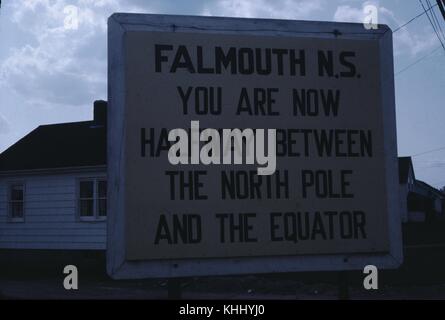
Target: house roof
<point x="405" y="164"/>
<point x="62" y="145"/>
<point x="430" y="189"/>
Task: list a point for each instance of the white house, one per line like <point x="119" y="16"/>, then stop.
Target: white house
<point x="53" y="187"/>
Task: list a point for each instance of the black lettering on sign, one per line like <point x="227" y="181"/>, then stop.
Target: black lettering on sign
<point x="261" y="69"/>
<point x="339" y="142"/>
<point x="258" y="102"/>
<point x="182" y="60"/>
<point x="249" y="185"/>
<point x="299" y="62"/>
<point x="174" y="229"/>
<point x="201" y="68"/>
<point x="318" y="225"/>
<point x="225" y="59"/>
<point x="280" y="56"/>
<point x="350" y="67"/>
<point x="156" y="144"/>
<point x="325" y="184"/>
<point x="206" y="100"/>
<point x="184" y="98"/>
<point x="159" y="57"/>
<point x="309" y="102"/>
<point x="244" y="61"/>
<point x="236" y="227"/>
<point x="187" y="184"/>
<point x="287" y="143"/>
<point x="327" y="64"/>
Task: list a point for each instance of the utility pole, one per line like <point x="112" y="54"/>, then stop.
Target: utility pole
<point x="441" y="5"/>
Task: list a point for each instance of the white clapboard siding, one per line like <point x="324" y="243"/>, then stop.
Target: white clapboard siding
<point x="51" y="219"/>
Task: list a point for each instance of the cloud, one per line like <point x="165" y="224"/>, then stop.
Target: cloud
<point x="405" y="41"/>
<point x="4" y="125"/>
<point x="64" y="64"/>
<point x="346" y="13"/>
<point x="284" y="9"/>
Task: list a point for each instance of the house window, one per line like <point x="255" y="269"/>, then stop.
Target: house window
<point x="92" y="199"/>
<point x="17" y="202"/>
<point x="102" y="198"/>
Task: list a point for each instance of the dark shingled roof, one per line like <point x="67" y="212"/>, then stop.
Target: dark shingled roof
<point x="63" y="145"/>
<point x="430" y="188"/>
<point x="405" y="164"/>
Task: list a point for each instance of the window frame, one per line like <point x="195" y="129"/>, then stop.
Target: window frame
<point x="95" y="217"/>
<point x="99" y="198"/>
<point x="9" y="201"/>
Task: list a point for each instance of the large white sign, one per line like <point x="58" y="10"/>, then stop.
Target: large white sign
<point x="246" y="146"/>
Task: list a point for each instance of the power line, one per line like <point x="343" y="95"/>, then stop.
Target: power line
<point x="437" y="20"/>
<point x="433" y="15"/>
<point x="440" y="4"/>
<point x="431" y="20"/>
<point x="432" y="24"/>
<point x="408" y="22"/>
<point x="417" y="61"/>
<point x="426" y="152"/>
<point x="425" y="11"/>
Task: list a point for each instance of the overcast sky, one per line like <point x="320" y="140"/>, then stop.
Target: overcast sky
<point x="51" y="74"/>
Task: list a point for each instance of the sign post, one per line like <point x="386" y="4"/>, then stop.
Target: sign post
<point x="242" y="146"/>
